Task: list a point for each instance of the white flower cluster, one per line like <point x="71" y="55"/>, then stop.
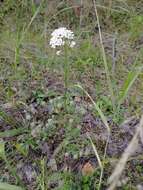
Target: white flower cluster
<point x="61" y="36"/>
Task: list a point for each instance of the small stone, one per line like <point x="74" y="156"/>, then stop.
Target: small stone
<point x="87" y="151"/>
<point x="81" y="153"/>
<point x="50" y="108"/>
<point x="71" y="120"/>
<point x="14" y="89"/>
<point x="59" y="105"/>
<point x="7" y="105"/>
<point x="32" y="109"/>
<point x="32" y="124"/>
<point x="75" y="156"/>
<point x="36" y="132"/>
<point x="28" y="117"/>
<point x="139" y="187"/>
<point x="52" y="164"/>
<point x="79" y="127"/>
<point x="66" y="154"/>
<point x="45" y="149"/>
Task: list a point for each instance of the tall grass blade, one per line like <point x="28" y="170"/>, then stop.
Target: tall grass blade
<point x="21" y="35"/>
<point x="104" y="120"/>
<point x="2" y="149"/>
<point x="6" y="186"/>
<point x="31" y="21"/>
<point x="11" y="133"/>
<point x="109" y="82"/>
<point x="132" y="76"/>
<point x="95" y="151"/>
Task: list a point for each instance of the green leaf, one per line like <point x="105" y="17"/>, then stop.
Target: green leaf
<point x="22" y="148"/>
<point x="2" y="149"/>
<point x="6" y="186"/>
<point x="11" y="133"/>
<point x="132" y="76"/>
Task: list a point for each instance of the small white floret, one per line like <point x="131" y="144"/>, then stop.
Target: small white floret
<point x="72" y="44"/>
<point x="58" y="52"/>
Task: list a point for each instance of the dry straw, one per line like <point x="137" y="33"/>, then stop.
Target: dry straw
<point x="132" y="147"/>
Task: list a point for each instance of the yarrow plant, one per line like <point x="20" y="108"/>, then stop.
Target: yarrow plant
<point x="63" y="39"/>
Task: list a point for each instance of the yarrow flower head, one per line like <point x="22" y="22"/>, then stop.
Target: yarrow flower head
<point x="62" y="36"/>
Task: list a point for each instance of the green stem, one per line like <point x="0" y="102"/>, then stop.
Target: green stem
<point x="66" y="72"/>
<point x="43" y="174"/>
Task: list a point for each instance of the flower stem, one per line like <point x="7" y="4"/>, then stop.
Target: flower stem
<point x="66" y="72"/>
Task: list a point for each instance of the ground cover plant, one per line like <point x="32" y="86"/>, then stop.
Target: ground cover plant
<point x="71" y="95"/>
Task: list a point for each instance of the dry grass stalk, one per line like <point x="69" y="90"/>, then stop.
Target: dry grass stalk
<point x="114" y="178"/>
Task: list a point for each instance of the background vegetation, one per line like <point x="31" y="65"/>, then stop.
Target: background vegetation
<point x="45" y="144"/>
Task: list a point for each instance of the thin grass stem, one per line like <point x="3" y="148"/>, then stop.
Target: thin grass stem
<point x="104" y="59"/>
<point x="104" y="120"/>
